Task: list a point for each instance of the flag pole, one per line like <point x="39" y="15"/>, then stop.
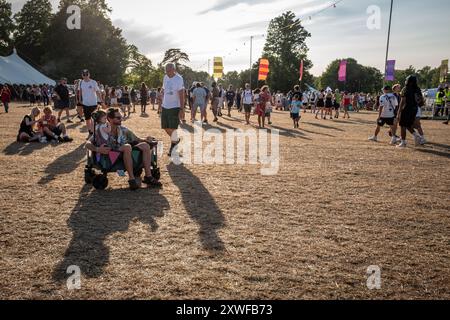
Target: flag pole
<point x="251" y="53"/>
<point x="388" y="41"/>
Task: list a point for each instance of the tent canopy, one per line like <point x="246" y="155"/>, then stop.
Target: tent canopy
<point x="14" y="70"/>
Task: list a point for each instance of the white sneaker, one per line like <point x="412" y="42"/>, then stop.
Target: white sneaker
<point x="43" y="140"/>
<point x="373" y="138"/>
<point x="417" y="140"/>
<point x="402" y="145"/>
<point x="423" y="141"/>
<point x="394" y="141"/>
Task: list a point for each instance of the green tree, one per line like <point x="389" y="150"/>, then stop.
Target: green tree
<point x="97" y="46"/>
<point x="139" y="67"/>
<point x="285" y="47"/>
<point x="176" y="56"/>
<point x="231" y="78"/>
<point x="6" y="27"/>
<point x="359" y="78"/>
<point x="428" y="77"/>
<point x="401" y="75"/>
<point x="32" y="24"/>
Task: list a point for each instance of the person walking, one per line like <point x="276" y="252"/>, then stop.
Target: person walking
<point x="144" y="98"/>
<point x="5" y="97"/>
<point x="411" y="98"/>
<point x="173" y="93"/>
<point x="215" y="100"/>
<point x="62" y="101"/>
<point x="89" y="97"/>
<point x="247" y="102"/>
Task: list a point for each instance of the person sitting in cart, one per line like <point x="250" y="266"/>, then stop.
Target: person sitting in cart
<point x="124" y="140"/>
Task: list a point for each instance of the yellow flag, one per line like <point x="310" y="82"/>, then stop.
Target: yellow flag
<point x="218" y="67"/>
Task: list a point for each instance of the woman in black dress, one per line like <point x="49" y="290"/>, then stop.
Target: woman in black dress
<point x="411" y="99"/>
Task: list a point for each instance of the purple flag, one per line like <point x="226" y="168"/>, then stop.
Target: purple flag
<point x="343" y="71"/>
<point x="390" y="70"/>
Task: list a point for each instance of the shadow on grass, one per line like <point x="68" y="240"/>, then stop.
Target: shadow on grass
<point x="99" y="214"/>
<point x="23" y="149"/>
<point x="323" y="126"/>
<point x="200" y="205"/>
<point x="65" y="164"/>
<point x="291" y="133"/>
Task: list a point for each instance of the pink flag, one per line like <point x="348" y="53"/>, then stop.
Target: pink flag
<point x="343" y="71"/>
<point x="390" y="70"/>
<point x="113" y="156"/>
<point x="301" y="70"/>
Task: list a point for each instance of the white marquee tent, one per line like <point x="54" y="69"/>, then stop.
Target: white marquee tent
<point x="14" y="70"/>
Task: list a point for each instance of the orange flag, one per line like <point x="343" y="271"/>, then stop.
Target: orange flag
<point x="263" y="69"/>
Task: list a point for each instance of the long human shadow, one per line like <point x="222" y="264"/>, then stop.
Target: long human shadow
<point x="318" y="133"/>
<point x="324" y="126"/>
<point x="23" y="149"/>
<point x="200" y="206"/>
<point x="98" y="215"/>
<point x="442" y="150"/>
<point x="290" y="133"/>
<point x="65" y="164"/>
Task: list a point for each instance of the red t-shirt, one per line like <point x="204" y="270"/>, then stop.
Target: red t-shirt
<point x="5" y="95"/>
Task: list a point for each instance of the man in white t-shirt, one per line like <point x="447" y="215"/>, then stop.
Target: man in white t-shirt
<point x="247" y="102"/>
<point x="89" y="96"/>
<point x="173" y="100"/>
<point x="388" y="103"/>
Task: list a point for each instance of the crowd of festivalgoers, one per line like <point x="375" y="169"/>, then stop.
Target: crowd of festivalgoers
<point x="104" y="108"/>
<point x="395" y="106"/>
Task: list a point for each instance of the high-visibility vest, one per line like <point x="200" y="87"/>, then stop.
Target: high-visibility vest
<point x="439" y="99"/>
<point x="447" y="95"/>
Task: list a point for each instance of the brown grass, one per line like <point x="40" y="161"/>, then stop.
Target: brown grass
<point x="338" y="205"/>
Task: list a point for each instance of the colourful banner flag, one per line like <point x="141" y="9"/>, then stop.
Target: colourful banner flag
<point x="301" y="70"/>
<point x="444" y="71"/>
<point x="218" y="67"/>
<point x="263" y="69"/>
<point x="390" y="70"/>
<point x="343" y="71"/>
<point x="113" y="156"/>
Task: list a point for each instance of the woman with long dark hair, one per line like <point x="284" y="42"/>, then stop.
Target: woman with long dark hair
<point x="411" y="99"/>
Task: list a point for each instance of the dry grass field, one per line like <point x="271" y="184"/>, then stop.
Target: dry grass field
<point x="338" y="205"/>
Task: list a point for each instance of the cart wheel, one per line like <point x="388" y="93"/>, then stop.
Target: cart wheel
<point x="156" y="174"/>
<point x="89" y="176"/>
<point x="100" y="182"/>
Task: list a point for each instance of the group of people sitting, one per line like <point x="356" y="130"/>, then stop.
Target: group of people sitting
<point x="42" y="126"/>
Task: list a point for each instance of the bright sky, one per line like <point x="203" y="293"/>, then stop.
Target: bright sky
<point x="208" y="28"/>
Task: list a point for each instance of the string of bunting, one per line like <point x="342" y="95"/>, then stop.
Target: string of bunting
<point x="262" y="36"/>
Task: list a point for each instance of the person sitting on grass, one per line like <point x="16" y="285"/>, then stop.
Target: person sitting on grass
<point x="123" y="140"/>
<point x="27" y="126"/>
<point x="51" y="129"/>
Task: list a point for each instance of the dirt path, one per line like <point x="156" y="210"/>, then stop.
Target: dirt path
<point x="338" y="205"/>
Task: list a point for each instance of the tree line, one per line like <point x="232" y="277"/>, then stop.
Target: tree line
<point x="43" y="39"/>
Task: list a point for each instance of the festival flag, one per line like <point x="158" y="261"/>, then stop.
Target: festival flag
<point x="301" y="70"/>
<point x="444" y="71"/>
<point x="263" y="69"/>
<point x="390" y="70"/>
<point x="343" y="71"/>
<point x="218" y="67"/>
<point x="113" y="156"/>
